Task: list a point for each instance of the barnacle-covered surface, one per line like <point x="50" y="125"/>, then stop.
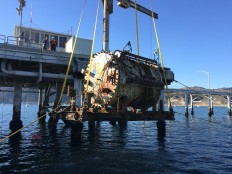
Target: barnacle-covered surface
<point x="134" y="80"/>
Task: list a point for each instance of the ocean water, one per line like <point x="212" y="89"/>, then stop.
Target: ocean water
<point x="193" y="144"/>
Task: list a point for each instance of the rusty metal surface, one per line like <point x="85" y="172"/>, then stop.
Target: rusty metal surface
<point x="132" y="80"/>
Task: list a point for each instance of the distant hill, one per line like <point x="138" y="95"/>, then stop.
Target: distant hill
<point x="224" y="89"/>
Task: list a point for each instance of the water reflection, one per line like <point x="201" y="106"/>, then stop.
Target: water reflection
<point x="161" y="143"/>
<point x="188" y="143"/>
<point x="99" y="133"/>
<point x="123" y="132"/>
<point x="229" y="118"/>
<point x="211" y="119"/>
<point x="14" y="149"/>
<point x="190" y="121"/>
<point x="93" y="132"/>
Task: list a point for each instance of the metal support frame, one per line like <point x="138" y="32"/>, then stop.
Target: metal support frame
<point x="40" y="103"/>
<point x="127" y="3"/>
<point x="229" y="105"/>
<point x="191" y="102"/>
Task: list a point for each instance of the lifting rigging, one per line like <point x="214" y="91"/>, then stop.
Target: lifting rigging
<point x="127" y="3"/>
<point x="118" y="86"/>
<point x="114" y="82"/>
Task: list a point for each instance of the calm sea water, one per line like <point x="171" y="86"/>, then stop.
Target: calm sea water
<point x="197" y="144"/>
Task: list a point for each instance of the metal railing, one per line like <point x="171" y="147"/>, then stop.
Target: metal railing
<point x="2" y="38"/>
<point x="12" y="43"/>
<point x="22" y="42"/>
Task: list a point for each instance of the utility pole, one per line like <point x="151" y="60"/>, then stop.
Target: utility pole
<point x="22" y="4"/>
<point x="210" y="96"/>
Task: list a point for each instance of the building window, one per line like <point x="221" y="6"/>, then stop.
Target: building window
<point x="27" y="34"/>
<point x="62" y="41"/>
<point x="34" y="37"/>
<point x="37" y="37"/>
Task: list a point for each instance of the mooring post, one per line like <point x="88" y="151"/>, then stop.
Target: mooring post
<point x="76" y="131"/>
<point x="77" y="126"/>
<point x="210" y="110"/>
<point x="16" y="123"/>
<point x="45" y="104"/>
<point x="212" y="106"/>
<point x="186" y="103"/>
<point x="53" y="120"/>
<point x="191" y="101"/>
<point x="170" y="108"/>
<point x="229" y="105"/>
<point x="40" y="98"/>
<point x="161" y="127"/>
<point x="161" y="102"/>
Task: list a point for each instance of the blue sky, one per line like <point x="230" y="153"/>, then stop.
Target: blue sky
<point x="194" y="34"/>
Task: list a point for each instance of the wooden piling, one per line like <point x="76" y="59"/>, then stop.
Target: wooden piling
<point x="16" y="122"/>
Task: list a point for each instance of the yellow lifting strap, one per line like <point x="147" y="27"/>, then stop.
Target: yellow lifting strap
<point x="71" y="56"/>
<point x="137" y="32"/>
<point x="92" y="50"/>
<point x="160" y="55"/>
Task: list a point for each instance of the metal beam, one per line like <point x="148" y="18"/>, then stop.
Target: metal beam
<point x="128" y="116"/>
<point x="127" y="3"/>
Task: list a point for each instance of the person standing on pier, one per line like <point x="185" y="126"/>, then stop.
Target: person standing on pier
<point x="53" y="44"/>
<point x="21" y="38"/>
<point x="45" y="43"/>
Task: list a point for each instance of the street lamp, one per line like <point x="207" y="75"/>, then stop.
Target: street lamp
<point x="210" y="100"/>
<point x="207" y="73"/>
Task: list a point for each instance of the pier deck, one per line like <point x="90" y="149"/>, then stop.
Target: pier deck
<point x="32" y="65"/>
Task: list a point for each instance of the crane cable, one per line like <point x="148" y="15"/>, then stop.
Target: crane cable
<point x="137" y="35"/>
<point x="71" y="56"/>
<point x="91" y="54"/>
<point x="161" y="58"/>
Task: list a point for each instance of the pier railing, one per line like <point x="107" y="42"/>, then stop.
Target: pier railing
<point x="22" y="42"/>
<point x="2" y="38"/>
